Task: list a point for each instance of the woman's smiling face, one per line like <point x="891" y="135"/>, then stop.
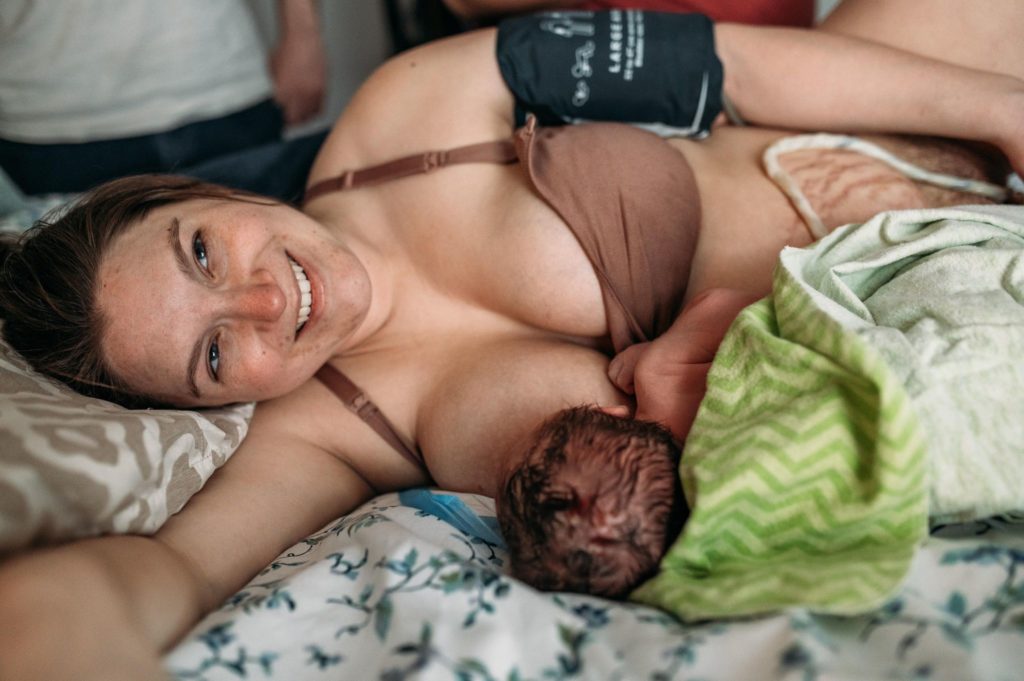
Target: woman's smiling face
<point x="208" y="302"/>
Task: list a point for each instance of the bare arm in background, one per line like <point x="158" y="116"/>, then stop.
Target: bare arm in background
<point x="298" y="63"/>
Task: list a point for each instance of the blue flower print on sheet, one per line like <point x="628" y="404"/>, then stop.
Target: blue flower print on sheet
<point x="393" y="592"/>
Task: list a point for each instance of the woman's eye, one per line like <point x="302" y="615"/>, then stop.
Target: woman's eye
<point x="213" y="359"/>
<point x="199" y="251"/>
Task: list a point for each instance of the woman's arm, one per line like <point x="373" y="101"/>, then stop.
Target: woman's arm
<point x="80" y="609"/>
<point x="451" y="92"/>
<point x="813" y="80"/>
<point x="106" y="608"/>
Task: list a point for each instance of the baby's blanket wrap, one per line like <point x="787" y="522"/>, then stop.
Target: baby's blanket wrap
<point x="879" y="385"/>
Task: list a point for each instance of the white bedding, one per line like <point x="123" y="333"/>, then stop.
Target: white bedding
<point x="390" y="592"/>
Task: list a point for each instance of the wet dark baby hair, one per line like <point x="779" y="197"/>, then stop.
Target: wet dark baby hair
<point x="594" y="505"/>
<point x="48" y="279"/>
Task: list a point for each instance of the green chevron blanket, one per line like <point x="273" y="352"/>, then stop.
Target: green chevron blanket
<point x="880" y="382"/>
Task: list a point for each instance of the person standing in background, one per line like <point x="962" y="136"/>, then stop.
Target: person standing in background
<point x="91" y="90"/>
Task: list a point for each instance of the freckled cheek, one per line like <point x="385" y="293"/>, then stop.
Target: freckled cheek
<point x="268" y="375"/>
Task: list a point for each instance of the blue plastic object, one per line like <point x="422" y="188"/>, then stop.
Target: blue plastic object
<point x="455" y="512"/>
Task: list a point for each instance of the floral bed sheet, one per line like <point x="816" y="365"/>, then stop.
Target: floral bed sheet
<point x="393" y="592"/>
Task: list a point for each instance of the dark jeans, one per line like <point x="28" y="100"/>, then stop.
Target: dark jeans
<point x="277" y="169"/>
<point x="46" y="168"/>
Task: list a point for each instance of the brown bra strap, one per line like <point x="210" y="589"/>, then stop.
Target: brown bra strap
<point x="357" y="402"/>
<point x="502" y="151"/>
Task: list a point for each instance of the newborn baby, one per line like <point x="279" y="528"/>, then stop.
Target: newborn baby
<point x="596" y="500"/>
<point x="594" y="504"/>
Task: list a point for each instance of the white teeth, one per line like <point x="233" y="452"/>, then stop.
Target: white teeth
<point x="306" y="300"/>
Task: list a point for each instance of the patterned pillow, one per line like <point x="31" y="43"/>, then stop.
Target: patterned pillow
<point x="73" y="466"/>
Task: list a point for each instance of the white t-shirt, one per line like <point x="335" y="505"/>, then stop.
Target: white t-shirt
<point x="85" y="70"/>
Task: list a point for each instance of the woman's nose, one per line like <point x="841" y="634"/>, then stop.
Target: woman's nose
<point x="261" y="300"/>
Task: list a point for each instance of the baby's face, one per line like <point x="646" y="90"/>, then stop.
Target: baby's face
<point x="592" y="505"/>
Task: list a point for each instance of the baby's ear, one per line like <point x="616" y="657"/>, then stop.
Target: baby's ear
<point x="621" y="411"/>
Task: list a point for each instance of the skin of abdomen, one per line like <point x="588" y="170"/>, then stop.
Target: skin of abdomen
<point x="746" y="219"/>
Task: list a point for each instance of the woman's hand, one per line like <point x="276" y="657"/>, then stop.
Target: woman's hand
<point x="669" y="374"/>
<point x="622" y="368"/>
<point x="668" y="385"/>
<point x="669" y="378"/>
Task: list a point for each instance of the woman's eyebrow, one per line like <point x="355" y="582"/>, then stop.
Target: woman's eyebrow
<point x="174" y="236"/>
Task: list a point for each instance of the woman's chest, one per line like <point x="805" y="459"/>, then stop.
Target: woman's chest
<point x="483" y="238"/>
<point x="467" y="404"/>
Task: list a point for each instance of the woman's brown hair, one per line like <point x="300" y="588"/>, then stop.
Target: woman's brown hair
<point x="48" y="279"/>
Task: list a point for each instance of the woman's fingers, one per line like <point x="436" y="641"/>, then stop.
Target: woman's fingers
<point x="622" y="368"/>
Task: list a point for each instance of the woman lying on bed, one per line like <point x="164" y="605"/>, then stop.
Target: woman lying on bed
<point x="461" y="300"/>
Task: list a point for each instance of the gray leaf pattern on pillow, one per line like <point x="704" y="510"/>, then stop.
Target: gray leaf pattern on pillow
<point x="72" y="466"/>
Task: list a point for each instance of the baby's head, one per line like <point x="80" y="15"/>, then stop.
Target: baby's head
<point x="594" y="504"/>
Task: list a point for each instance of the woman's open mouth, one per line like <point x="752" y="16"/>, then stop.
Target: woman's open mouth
<point x="305" y="295"/>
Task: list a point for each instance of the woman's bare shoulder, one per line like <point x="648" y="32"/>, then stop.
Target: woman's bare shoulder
<point x="439" y="95"/>
<point x="312" y="426"/>
<point x="313" y="415"/>
<point x="318" y="419"/>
